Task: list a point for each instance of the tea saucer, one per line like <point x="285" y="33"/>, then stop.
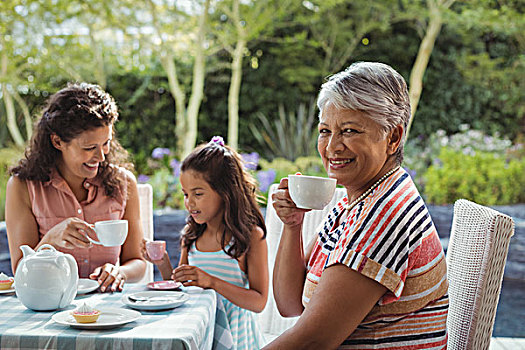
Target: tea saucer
<point x="164" y="285"/>
<point x="10" y="290"/>
<point x="109" y="318"/>
<point x="154" y="300"/>
<point x="86" y="285"/>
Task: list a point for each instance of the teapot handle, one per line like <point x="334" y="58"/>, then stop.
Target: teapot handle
<point x="46" y="246"/>
<point x="71" y="290"/>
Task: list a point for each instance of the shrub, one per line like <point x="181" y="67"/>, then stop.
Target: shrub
<point x="483" y="177"/>
<point x="421" y="153"/>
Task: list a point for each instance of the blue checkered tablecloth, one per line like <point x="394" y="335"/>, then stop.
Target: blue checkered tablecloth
<point x="200" y="323"/>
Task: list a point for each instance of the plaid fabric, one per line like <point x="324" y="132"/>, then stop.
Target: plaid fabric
<point x="197" y="324"/>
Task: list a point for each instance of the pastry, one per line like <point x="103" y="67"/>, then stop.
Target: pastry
<point x="86" y="314"/>
<point x="5" y="281"/>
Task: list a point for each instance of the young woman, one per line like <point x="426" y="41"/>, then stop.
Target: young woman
<point x="74" y="174"/>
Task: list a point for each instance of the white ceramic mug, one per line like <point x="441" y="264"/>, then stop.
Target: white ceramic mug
<point x="111" y="233"/>
<point x="311" y="192"/>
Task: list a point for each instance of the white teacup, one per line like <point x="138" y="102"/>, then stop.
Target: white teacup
<point x="111" y="233"/>
<point x="311" y="192"/>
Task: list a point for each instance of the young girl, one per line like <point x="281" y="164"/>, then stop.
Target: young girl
<point x="223" y="243"/>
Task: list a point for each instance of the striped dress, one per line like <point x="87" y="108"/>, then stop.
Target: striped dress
<point x="242" y="322"/>
<point x="389" y="237"/>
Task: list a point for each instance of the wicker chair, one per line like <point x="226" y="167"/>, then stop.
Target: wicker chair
<point x="477" y="251"/>
<point x="146" y="217"/>
<point x="271" y="322"/>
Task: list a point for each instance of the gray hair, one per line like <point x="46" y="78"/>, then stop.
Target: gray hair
<point x="374" y="89"/>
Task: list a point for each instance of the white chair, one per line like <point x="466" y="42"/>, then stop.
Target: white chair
<point x="272" y="324"/>
<point x="146" y="217"/>
<point x="476" y="256"/>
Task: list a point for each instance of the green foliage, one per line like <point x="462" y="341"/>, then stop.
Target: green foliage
<point x="167" y="192"/>
<point x="421" y="153"/>
<point x="146" y="115"/>
<point x="482" y="177"/>
<point x="291" y="136"/>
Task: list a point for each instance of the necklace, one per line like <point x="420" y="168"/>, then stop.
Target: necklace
<point x="373" y="187"/>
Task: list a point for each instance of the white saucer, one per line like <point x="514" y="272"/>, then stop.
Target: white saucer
<point x="86" y="285"/>
<point x="159" y="300"/>
<point x="109" y="318"/>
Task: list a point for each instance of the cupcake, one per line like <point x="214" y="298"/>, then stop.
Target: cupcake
<point x="86" y="314"/>
<point x="5" y="281"/>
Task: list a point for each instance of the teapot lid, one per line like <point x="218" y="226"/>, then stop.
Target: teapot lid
<point x="45" y="251"/>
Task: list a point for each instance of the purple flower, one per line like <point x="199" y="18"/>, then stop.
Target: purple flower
<point x="251" y="160"/>
<point x="175" y="165"/>
<point x="218" y="140"/>
<point x="266" y="178"/>
<point x="160" y="152"/>
<point x="143" y="178"/>
<point x="410" y="172"/>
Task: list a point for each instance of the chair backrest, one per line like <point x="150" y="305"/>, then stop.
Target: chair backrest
<point x="476" y="255"/>
<point x="270" y="321"/>
<point x="146" y="217"/>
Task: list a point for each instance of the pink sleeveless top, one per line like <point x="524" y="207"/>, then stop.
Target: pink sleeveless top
<point x="53" y="201"/>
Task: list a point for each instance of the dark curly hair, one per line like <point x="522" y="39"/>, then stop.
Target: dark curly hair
<point x="223" y="169"/>
<point x="68" y="113"/>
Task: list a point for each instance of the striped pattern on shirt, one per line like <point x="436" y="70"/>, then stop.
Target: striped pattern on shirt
<point x="389" y="237"/>
<point x="242" y="323"/>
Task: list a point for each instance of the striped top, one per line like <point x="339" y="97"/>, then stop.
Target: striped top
<point x="389" y="237"/>
<point x="242" y="322"/>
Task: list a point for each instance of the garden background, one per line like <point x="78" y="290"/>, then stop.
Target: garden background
<point x="183" y="71"/>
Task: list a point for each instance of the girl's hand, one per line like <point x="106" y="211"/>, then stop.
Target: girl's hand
<point x="109" y="278"/>
<point x="145" y="254"/>
<point x="285" y="207"/>
<point x="192" y="276"/>
<point x="70" y="233"/>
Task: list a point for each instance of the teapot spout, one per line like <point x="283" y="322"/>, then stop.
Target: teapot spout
<point x="26" y="250"/>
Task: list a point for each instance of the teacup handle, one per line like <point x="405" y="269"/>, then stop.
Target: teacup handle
<point x="93" y="241"/>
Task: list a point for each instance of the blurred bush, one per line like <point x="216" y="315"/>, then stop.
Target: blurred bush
<point x="483" y="177"/>
<point x="469" y="164"/>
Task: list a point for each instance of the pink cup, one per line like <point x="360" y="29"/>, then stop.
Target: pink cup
<point x="156" y="249"/>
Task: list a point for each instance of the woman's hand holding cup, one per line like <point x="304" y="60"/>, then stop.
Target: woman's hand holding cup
<point x="70" y="233"/>
<point x="285" y="207"/>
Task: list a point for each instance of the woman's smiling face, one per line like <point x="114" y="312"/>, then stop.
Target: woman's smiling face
<point x="82" y="155"/>
<point x="352" y="147"/>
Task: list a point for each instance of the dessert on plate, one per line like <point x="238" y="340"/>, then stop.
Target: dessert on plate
<point x="5" y="281"/>
<point x="86" y="314"/>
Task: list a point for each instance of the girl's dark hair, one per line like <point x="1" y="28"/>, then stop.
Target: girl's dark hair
<point x="68" y="113"/>
<point x="223" y="169"/>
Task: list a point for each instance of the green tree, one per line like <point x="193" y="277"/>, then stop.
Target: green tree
<point x="237" y="24"/>
<point x="179" y="39"/>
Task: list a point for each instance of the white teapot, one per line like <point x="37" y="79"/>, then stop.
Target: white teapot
<point x="46" y="279"/>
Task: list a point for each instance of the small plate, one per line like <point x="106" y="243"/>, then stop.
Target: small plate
<point x="164" y="285"/>
<point x="109" y="318"/>
<point x="155" y="300"/>
<point x="10" y="290"/>
<point x="85" y="285"/>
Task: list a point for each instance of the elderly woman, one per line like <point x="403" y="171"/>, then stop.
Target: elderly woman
<point x="374" y="277"/>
